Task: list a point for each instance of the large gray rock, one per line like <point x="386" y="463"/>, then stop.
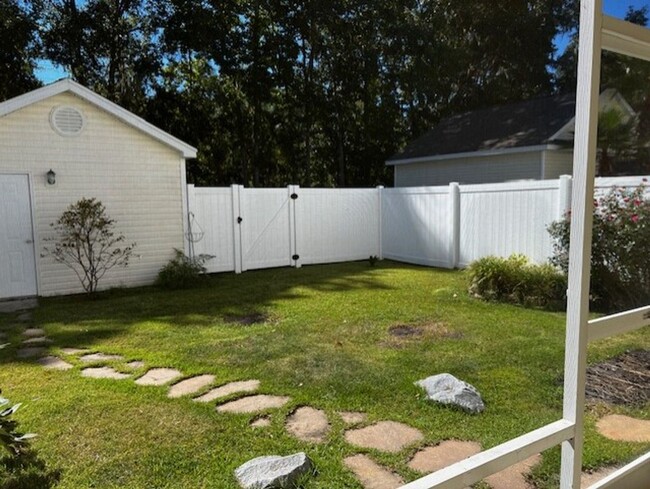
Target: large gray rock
<point x="447" y="389"/>
<point x="274" y="471"/>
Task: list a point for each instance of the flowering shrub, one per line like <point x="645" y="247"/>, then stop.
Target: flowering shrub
<point x="620" y="263"/>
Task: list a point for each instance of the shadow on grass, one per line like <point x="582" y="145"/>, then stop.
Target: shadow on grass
<point x="79" y="320"/>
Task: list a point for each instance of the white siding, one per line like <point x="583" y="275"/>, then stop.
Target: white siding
<point x="557" y="163"/>
<point x="471" y="170"/>
<point x="137" y="178"/>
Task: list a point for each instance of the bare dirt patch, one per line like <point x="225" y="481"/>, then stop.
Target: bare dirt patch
<point x="247" y="319"/>
<point x="623" y="380"/>
<point x="400" y="335"/>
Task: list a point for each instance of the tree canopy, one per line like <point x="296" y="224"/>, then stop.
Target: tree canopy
<point x="272" y="92"/>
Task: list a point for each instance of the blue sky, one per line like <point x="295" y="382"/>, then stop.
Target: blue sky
<point x="47" y="73"/>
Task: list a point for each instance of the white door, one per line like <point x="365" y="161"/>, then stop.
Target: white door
<point x="17" y="259"/>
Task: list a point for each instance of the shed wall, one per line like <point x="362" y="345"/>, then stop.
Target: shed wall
<point x="471" y="170"/>
<point x="558" y="163"/>
<point x="137" y="178"/>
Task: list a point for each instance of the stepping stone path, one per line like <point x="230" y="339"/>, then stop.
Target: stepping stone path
<point x="30" y="352"/>
<point x="135" y="364"/>
<point x="190" y="386"/>
<point x="158" y="376"/>
<point x="263" y="422"/>
<point x="33" y="332"/>
<point x="308" y="424"/>
<point x="73" y="351"/>
<point x="103" y="373"/>
<point x="37" y="341"/>
<point x="253" y="404"/>
<point x="372" y="475"/>
<point x="514" y="477"/>
<point x="100" y="357"/>
<point x="623" y="428"/>
<point x="352" y="418"/>
<point x="274" y="471"/>
<point x="386" y="436"/>
<point x="228" y="389"/>
<point x="25" y="316"/>
<point x="431" y="459"/>
<point x="53" y="363"/>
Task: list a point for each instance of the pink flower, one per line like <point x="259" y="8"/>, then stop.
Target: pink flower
<point x="644" y="179"/>
<point x="635" y="218"/>
<point x="637" y="202"/>
<point x="626" y="199"/>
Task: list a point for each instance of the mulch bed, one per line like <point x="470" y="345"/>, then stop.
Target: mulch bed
<point x="622" y="380"/>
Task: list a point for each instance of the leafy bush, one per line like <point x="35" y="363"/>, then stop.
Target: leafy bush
<point x="87" y="243"/>
<point x="516" y="280"/>
<point x="182" y="271"/>
<point x="620" y="269"/>
<point x="21" y="468"/>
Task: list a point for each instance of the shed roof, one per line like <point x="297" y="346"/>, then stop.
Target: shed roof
<point x="67" y="85"/>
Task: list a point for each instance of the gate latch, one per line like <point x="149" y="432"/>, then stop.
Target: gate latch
<point x="239" y="220"/>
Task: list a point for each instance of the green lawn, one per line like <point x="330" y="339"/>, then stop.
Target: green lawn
<point x="325" y="344"/>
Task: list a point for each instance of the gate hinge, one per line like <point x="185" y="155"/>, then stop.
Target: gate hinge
<point x="294" y="196"/>
<point x="295" y="257"/>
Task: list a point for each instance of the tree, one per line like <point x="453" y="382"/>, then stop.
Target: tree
<point x="87" y="243"/>
<point x="18" y="49"/>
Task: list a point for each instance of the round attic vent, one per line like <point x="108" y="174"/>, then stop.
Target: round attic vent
<point x="67" y="121"/>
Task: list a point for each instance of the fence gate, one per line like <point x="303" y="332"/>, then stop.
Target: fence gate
<point x="266" y="227"/>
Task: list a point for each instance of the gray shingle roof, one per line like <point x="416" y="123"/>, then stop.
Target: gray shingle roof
<point x="529" y="123"/>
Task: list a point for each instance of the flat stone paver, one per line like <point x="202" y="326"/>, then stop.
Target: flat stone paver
<point x="308" y="424"/>
<point x="41" y="340"/>
<point x="103" y="373"/>
<point x="431" y="459"/>
<point x="590" y="478"/>
<point x="73" y="351"/>
<point x="34" y="332"/>
<point x="370" y="474"/>
<point x="14" y="305"/>
<point x="262" y="422"/>
<point x="253" y="404"/>
<point x="53" y="363"/>
<point x="352" y="418"/>
<point x="159" y="376"/>
<point x="25" y="316"/>
<point x="624" y="428"/>
<point x="100" y="357"/>
<point x="190" y="386"/>
<point x="386" y="436"/>
<point x="135" y="364"/>
<point x="514" y="477"/>
<point x="228" y="389"/>
<point x="30" y="352"/>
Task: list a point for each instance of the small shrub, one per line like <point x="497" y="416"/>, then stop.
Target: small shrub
<point x="20" y="467"/>
<point x="620" y="269"/>
<point x="86" y="243"/>
<point x="182" y="272"/>
<point x="516" y="280"/>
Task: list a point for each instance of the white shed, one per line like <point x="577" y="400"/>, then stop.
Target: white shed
<point x="529" y="140"/>
<point x="95" y="149"/>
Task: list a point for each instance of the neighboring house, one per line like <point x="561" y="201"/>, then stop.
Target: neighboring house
<point x="530" y="140"/>
<point x="95" y="149"/>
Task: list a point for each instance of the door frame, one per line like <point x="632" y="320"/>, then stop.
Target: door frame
<point x="35" y="237"/>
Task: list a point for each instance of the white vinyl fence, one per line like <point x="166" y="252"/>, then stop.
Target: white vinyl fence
<point x="450" y="226"/>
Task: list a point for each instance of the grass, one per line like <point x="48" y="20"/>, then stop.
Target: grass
<point x="325" y="344"/>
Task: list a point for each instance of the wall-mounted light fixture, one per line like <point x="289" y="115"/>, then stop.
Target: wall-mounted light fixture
<point x="51" y="177"/>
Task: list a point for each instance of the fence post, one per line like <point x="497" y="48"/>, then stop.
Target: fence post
<point x="188" y="207"/>
<point x="294" y="191"/>
<point x="454" y="213"/>
<point x="236" y="227"/>
<point x="564" y="204"/>
<point x="380" y="191"/>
